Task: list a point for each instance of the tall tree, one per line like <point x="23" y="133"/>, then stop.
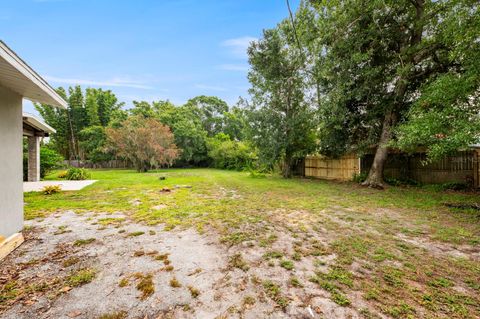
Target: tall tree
<point x="211" y="110"/>
<point x="377" y="59"/>
<point x="280" y="116"/>
<point x="145" y="142"/>
<point x="93" y="108"/>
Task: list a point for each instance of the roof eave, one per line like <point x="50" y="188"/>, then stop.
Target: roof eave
<point x="14" y="60"/>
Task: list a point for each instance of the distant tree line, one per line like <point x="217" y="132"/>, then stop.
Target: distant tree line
<point x="96" y="127"/>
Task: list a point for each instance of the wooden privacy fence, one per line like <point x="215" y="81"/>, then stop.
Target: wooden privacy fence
<point x="343" y="168"/>
<point x="462" y="167"/>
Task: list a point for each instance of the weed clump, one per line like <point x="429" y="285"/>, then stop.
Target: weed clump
<point x="237" y="261"/>
<point x="145" y="285"/>
<point x="175" y="283"/>
<point x="81" y="277"/>
<point x="114" y="315"/>
<point x="194" y="291"/>
<point x="274" y="292"/>
<point x="51" y="189"/>
<point x="287" y="264"/>
<point x="82" y="242"/>
<point x="136" y="233"/>
<point x="123" y="283"/>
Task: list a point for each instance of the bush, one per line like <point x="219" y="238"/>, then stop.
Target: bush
<point x="228" y="154"/>
<point x="77" y="174"/>
<point x="455" y="186"/>
<point x="51" y="189"/>
<point x="49" y="160"/>
<point x="359" y="178"/>
<point x="62" y="174"/>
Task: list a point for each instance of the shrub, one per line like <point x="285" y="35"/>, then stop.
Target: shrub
<point x="49" y="160"/>
<point x="359" y="178"/>
<point x="228" y="154"/>
<point x="62" y="174"/>
<point x="51" y="189"/>
<point x="77" y="174"/>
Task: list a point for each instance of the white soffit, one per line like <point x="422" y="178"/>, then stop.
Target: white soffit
<point x="18" y="77"/>
<point x="37" y="123"/>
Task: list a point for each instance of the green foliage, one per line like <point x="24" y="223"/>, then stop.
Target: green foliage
<point x="77" y="174"/>
<point x="93" y="141"/>
<point x="62" y="174"/>
<point x="188" y="130"/>
<point x="210" y="110"/>
<point x="49" y="160"/>
<point x="281" y="119"/>
<point x="445" y="117"/>
<point x="144" y="141"/>
<point x="94" y="107"/>
<point x="228" y="154"/>
<point x="81" y="277"/>
<point x="400" y="73"/>
<point x="359" y="178"/>
<point x="51" y="189"/>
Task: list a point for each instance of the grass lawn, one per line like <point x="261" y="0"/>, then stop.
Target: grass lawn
<point x="399" y="252"/>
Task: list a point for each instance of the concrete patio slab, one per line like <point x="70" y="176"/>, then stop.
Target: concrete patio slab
<point x="65" y="185"/>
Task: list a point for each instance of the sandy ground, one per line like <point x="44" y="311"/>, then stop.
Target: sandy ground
<point x="65" y="185"/>
<point x="198" y="262"/>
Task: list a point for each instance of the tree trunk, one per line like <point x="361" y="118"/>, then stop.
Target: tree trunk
<point x="375" y="175"/>
<point x="287" y="167"/>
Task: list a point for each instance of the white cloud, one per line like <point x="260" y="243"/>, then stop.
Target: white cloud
<point x="234" y="67"/>
<point x="239" y="46"/>
<point x="115" y="82"/>
<point x="210" y="87"/>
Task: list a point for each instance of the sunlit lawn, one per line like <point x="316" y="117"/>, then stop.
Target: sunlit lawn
<point x="363" y="226"/>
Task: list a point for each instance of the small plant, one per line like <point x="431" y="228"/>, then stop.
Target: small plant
<point x="168" y="268"/>
<point x="359" y="178"/>
<point x="273" y="254"/>
<point x="77" y="174"/>
<point x="194" y="291"/>
<point x="249" y="301"/>
<point x="51" y="189"/>
<point x="274" y="292"/>
<point x="82" y="242"/>
<point x="136" y="233"/>
<point x="162" y="256"/>
<point x="295" y="282"/>
<point x="287" y="264"/>
<point x="175" y="283"/>
<point x="81" y="277"/>
<point x="145" y="285"/>
<point x="138" y="253"/>
<point x="123" y="282"/>
<point x="62" y="174"/>
<point x="114" y="315"/>
<point x="70" y="262"/>
<point x="237" y="261"/>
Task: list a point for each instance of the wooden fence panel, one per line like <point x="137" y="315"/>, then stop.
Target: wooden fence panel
<point x="461" y="167"/>
<point x="343" y="168"/>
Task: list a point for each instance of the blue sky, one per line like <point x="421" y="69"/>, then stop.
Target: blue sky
<point x="140" y="49"/>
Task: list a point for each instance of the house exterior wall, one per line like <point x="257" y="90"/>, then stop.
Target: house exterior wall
<point x="11" y="184"/>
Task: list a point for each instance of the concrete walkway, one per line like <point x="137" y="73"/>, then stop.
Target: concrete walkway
<point x="65" y="185"/>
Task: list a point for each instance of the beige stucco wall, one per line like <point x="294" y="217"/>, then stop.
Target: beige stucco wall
<point x="11" y="172"/>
